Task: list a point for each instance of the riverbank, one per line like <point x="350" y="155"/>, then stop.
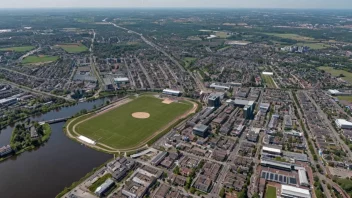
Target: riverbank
<point x="53" y="165"/>
<point x="76" y="183"/>
<point x="21" y="115"/>
<point x="21" y="140"/>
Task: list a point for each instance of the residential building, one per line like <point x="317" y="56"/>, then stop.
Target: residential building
<point x="214" y="100"/>
<point x="201" y="130"/>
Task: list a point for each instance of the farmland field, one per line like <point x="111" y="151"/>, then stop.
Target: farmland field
<point x="338" y="72"/>
<point x="291" y="36"/>
<point x="270" y="192"/>
<point x="18" y="49"/>
<point x="314" y="45"/>
<point x="73" y="47"/>
<point x="120" y="128"/>
<point x="345" y="98"/>
<point x="39" y="59"/>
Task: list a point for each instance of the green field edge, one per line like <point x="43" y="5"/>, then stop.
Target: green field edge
<point x="73" y="121"/>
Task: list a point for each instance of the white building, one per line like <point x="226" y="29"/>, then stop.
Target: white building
<point x="121" y="80"/>
<point x="268" y="73"/>
<point x="333" y="91"/>
<point x="294" y="192"/>
<point x="271" y="150"/>
<point x="343" y="124"/>
<point x="303" y="179"/>
<point x="171" y="92"/>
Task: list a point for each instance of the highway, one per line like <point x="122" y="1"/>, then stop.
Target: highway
<point x="27" y="89"/>
<point x="94" y="68"/>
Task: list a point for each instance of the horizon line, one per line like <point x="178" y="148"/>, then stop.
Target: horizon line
<point x="208" y="8"/>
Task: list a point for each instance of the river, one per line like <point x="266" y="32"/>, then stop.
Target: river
<point x="48" y="170"/>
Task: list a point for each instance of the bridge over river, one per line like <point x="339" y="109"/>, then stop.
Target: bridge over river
<point x="53" y="121"/>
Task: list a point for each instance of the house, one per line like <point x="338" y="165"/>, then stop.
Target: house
<point x="203" y="183"/>
<point x="5" y="150"/>
<point x="34" y="133"/>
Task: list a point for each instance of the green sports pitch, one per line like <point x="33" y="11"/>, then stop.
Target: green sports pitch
<point x="117" y="128"/>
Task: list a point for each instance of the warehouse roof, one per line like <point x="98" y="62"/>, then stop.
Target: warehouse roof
<point x="241" y="102"/>
<point x="334" y="91"/>
<point x="270" y="149"/>
<point x="292" y="191"/>
<point x="268" y="162"/>
<point x="171" y="91"/>
<point x="343" y="122"/>
<point x="268" y="73"/>
<point x="121" y="79"/>
<point x="302" y="175"/>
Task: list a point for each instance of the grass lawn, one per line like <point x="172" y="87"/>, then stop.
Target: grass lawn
<point x="188" y="61"/>
<point x="39" y="59"/>
<point x="291" y="36"/>
<point x="73" y="47"/>
<point x="117" y="128"/>
<point x="345" y="98"/>
<point x="345" y="184"/>
<point x="270" y="192"/>
<point x="314" y="45"/>
<point x="222" y="34"/>
<point x="337" y="72"/>
<point x="269" y="81"/>
<point x="18" y="49"/>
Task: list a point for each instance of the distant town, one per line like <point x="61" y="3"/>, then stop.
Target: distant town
<point x="203" y="104"/>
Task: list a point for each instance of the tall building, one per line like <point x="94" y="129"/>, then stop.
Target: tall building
<point x="201" y="130"/>
<point x="214" y="100"/>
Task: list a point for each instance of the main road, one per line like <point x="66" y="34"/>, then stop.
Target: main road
<point x="200" y="86"/>
<point x="27" y="89"/>
<point x="93" y="67"/>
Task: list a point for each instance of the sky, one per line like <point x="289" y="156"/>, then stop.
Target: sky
<point x="319" y="4"/>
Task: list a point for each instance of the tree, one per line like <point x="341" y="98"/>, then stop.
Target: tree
<point x="222" y="193"/>
<point x="256" y="195"/>
<point x="177" y="170"/>
<point x="193" y="190"/>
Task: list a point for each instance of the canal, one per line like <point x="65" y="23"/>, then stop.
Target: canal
<point x="48" y="170"/>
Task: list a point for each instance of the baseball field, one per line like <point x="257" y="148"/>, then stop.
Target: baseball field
<point x="132" y="123"/>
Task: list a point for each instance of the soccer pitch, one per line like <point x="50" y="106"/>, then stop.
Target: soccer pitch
<point x="120" y="128"/>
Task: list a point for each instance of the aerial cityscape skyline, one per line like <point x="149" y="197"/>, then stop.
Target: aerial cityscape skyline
<point x="176" y="99"/>
<point x="313" y="4"/>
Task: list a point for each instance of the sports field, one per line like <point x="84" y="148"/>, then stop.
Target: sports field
<point x="73" y="47"/>
<point x="18" y="49"/>
<point x="270" y="192"/>
<point x="132" y="123"/>
<point x="39" y="59"/>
